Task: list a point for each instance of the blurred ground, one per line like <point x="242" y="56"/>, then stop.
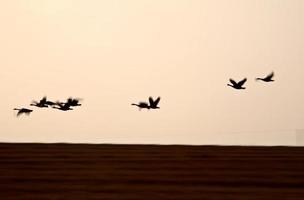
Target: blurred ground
<point x="83" y="171"/>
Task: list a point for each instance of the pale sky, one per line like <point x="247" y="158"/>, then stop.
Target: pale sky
<point x="114" y="53"/>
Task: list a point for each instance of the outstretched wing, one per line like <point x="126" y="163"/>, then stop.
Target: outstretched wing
<point x="242" y="82"/>
<point x="43" y="100"/>
<point x="151" y="101"/>
<point x="73" y="101"/>
<point x="70" y="100"/>
<point x="76" y="101"/>
<point x="270" y="75"/>
<point x="232" y="81"/>
<point x="156" y="101"/>
<point x="19" y="113"/>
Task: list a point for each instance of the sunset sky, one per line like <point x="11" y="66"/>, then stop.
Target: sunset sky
<point x="117" y="52"/>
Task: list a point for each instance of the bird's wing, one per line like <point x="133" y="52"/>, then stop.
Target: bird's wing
<point x="19" y="113"/>
<point x="270" y="75"/>
<point x="76" y="101"/>
<point x="156" y="101"/>
<point x="242" y="82"/>
<point x="232" y="81"/>
<point x="43" y="100"/>
<point x="151" y="101"/>
<point x="70" y="100"/>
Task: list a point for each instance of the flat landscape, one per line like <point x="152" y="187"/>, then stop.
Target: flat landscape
<point x="133" y="172"/>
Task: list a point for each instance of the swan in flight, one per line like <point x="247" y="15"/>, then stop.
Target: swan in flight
<point x="23" y="111"/>
<point x="237" y="85"/>
<point x="268" y="78"/>
<point x="151" y="105"/>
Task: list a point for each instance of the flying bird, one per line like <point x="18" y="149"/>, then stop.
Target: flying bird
<point x="40" y="104"/>
<point x="237" y="85"/>
<point x="268" y="78"/>
<point x="73" y="102"/>
<point x="153" y="104"/>
<point x="23" y="111"/>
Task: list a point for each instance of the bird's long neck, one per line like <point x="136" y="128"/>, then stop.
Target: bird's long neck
<point x="134" y="104"/>
<point x="17" y="109"/>
<point x="230" y="85"/>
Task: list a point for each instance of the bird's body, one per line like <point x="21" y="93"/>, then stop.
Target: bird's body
<point x="50" y="103"/>
<point x="63" y="106"/>
<point x="268" y="78"/>
<point x="237" y="85"/>
<point x="23" y="111"/>
<point x="141" y="105"/>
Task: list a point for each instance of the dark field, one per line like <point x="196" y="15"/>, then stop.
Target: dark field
<point x="80" y="171"/>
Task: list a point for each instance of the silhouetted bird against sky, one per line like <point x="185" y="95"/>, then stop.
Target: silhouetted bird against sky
<point x="153" y="104"/>
<point x="237" y="85"/>
<point x="268" y="78"/>
<point x="73" y="102"/>
<point x="62" y="106"/>
<point x="40" y="104"/>
<point x="23" y="111"/>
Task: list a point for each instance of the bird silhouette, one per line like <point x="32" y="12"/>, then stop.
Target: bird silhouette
<point x="237" y="85"/>
<point x="153" y="104"/>
<point x="268" y="78"/>
<point x="73" y="102"/>
<point x="23" y="111"/>
<point x="62" y="106"/>
<point x="41" y="103"/>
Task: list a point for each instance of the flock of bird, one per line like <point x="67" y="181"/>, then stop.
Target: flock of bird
<point x="44" y="103"/>
<point x="153" y="104"/>
<point x="239" y="85"/>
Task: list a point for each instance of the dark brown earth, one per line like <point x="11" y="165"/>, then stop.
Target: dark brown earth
<point x="80" y="171"/>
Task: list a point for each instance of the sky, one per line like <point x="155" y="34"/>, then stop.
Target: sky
<point x="114" y="53"/>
